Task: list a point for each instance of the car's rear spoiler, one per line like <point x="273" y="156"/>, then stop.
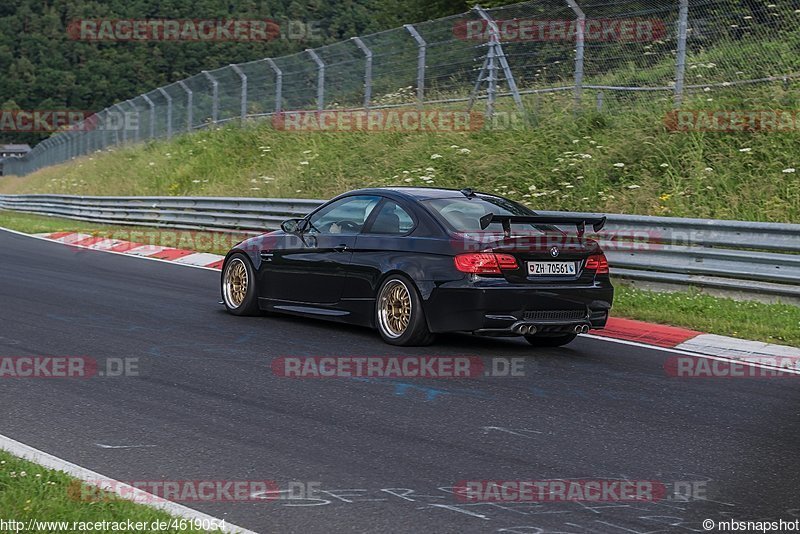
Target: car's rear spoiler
<point x="580" y="223"/>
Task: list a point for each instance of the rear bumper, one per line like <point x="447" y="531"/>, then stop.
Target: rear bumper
<point x="498" y="310"/>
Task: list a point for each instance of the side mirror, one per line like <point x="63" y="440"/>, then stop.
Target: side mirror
<point x="293" y="226"/>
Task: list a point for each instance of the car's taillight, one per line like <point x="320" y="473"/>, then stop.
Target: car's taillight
<point x="485" y="263"/>
<point x="597" y="263"/>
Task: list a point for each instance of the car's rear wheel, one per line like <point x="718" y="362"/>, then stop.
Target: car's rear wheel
<point x="550" y="341"/>
<point x="399" y="314"/>
<point x="238" y="286"/>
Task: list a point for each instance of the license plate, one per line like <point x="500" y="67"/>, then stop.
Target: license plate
<point x="551" y="268"/>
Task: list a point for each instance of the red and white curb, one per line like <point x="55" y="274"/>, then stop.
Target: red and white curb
<point x="692" y="341"/>
<point x="626" y="330"/>
<point x="177" y="255"/>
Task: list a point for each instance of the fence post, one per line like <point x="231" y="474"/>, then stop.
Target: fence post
<point x="169" y="110"/>
<point x="62" y="146"/>
<point x="136" y="110"/>
<point x="152" y="116"/>
<point x="189" y="104"/>
<point x="243" y="99"/>
<point x="680" y="66"/>
<point x="278" y="84"/>
<point x="56" y="148"/>
<point x="580" y="38"/>
<point x="101" y="130"/>
<point x="67" y="146"/>
<point x="124" y="125"/>
<point x="422" y="47"/>
<point x="474" y="94"/>
<point x="500" y="57"/>
<point x="111" y="130"/>
<point x="214" y="96"/>
<point x="81" y="139"/>
<point x="87" y="133"/>
<point x="320" y="79"/>
<point x="367" y="70"/>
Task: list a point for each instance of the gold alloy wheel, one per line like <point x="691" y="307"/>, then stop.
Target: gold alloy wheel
<point x="236" y="283"/>
<point x="394" y="312"/>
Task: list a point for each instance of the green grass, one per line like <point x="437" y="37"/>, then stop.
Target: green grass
<point x="213" y="242"/>
<point x="562" y="162"/>
<point x="772" y="323"/>
<point x="31" y="492"/>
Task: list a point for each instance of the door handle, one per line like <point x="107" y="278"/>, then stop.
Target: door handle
<point x="340" y="248"/>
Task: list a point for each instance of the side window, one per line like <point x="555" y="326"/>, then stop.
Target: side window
<point x="391" y="219"/>
<point x="345" y="216"/>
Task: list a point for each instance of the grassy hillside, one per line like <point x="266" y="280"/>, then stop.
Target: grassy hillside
<point x="623" y="160"/>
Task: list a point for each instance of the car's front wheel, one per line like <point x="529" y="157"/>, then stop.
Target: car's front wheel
<point x="550" y="341"/>
<point x="399" y="314"/>
<point x="238" y="286"/>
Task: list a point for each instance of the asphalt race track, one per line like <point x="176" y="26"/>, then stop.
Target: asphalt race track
<point x="386" y="452"/>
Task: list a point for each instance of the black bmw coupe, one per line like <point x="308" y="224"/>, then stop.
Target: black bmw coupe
<point x="414" y="262"/>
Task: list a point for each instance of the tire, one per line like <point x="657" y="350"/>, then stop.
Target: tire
<point x="399" y="315"/>
<point x="236" y="273"/>
<point x="554" y="341"/>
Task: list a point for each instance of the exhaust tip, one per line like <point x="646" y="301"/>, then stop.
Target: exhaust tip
<point x="584" y="329"/>
<point x="578" y="329"/>
<point x="531" y="329"/>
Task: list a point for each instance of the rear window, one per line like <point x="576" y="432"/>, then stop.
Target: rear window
<point x="463" y="214"/>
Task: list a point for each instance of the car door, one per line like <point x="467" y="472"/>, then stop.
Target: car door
<point x="381" y="243"/>
<point x="311" y="268"/>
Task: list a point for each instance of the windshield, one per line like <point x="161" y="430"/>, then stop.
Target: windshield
<point x="462" y="214"/>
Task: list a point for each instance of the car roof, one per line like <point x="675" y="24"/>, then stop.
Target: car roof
<point x="417" y="193"/>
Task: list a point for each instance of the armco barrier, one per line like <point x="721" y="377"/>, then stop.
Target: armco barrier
<point x="739" y="256"/>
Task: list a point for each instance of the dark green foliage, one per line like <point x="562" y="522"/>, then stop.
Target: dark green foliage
<point x="44" y="69"/>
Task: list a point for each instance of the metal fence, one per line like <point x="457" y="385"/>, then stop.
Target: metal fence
<point x="593" y="53"/>
<point x="730" y="256"/>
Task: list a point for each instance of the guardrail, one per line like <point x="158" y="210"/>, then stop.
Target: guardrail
<point x="730" y="256"/>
